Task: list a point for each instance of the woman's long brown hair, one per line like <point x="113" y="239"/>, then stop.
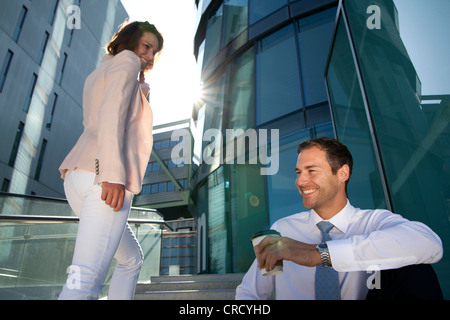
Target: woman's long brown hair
<point x="129" y="35"/>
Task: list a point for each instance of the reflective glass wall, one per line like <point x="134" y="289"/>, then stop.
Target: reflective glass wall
<point x="263" y="65"/>
<point x="390" y="99"/>
<point x="278" y="81"/>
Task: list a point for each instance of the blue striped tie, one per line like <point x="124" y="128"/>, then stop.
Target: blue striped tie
<point x="327" y="279"/>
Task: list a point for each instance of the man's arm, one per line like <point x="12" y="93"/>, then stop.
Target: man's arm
<point x="395" y="243"/>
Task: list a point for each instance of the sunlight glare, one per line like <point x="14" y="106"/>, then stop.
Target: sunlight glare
<point x="173" y="81"/>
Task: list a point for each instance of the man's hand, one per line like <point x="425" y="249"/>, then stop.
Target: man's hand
<point x="272" y="249"/>
<point x="113" y="194"/>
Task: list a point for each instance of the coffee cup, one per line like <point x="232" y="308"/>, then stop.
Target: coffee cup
<point x="256" y="239"/>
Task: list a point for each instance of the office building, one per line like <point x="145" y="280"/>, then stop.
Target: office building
<point x="166" y="182"/>
<point x="262" y="68"/>
<point x="47" y="49"/>
<point x="306" y="69"/>
<point x="166" y="188"/>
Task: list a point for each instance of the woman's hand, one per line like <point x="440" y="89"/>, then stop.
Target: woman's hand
<point x="113" y="194"/>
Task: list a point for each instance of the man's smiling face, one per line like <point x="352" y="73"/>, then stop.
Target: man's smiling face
<point x="320" y="189"/>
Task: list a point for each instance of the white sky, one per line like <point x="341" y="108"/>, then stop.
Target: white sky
<point x="173" y="80"/>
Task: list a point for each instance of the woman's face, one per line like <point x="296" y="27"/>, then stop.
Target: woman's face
<point x="147" y="50"/>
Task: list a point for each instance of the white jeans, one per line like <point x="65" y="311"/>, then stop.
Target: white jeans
<point x="102" y="235"/>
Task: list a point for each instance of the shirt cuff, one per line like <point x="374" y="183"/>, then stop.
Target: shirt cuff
<point x="341" y="255"/>
<point x="343" y="258"/>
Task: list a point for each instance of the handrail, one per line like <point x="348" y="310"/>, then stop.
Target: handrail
<point x="26" y="196"/>
<point x="69" y="219"/>
<point x="65" y="219"/>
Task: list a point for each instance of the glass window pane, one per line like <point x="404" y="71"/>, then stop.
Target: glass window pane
<point x="283" y="198"/>
<point x="20" y="23"/>
<point x="262" y="8"/>
<point x="165" y="144"/>
<point x="314" y="40"/>
<point x="40" y="160"/>
<point x="235" y="19"/>
<point x="26" y="107"/>
<point x="217" y="223"/>
<point x="17" y="140"/>
<point x="277" y="76"/>
<point x="213" y="33"/>
<point x="242" y="106"/>
<point x="351" y="125"/>
<point x="173" y="143"/>
<point x="214" y="96"/>
<point x="248" y="211"/>
<point x="214" y="99"/>
<point x="5" y="68"/>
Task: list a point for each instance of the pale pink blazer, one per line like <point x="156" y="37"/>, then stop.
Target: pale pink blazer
<point x="117" y="139"/>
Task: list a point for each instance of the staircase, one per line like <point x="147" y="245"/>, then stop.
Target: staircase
<point x="190" y="287"/>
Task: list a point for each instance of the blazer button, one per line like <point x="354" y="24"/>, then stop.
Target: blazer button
<point x="97" y="167"/>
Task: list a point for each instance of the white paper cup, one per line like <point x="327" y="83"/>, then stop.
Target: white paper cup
<point x="256" y="239"/>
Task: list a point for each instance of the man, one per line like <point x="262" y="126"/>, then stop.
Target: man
<point x="359" y="241"/>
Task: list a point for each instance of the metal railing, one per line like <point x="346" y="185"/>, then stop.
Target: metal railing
<point x="52" y="219"/>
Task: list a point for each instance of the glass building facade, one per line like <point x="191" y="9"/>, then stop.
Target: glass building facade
<point x="306" y="69"/>
<point x="398" y="133"/>
<point x="262" y="65"/>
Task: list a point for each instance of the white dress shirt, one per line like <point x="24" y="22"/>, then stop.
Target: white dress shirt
<point x="361" y="240"/>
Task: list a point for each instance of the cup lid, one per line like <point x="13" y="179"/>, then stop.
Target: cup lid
<point x="265" y="233"/>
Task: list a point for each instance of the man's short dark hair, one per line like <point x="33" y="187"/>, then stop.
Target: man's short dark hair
<point x="336" y="152"/>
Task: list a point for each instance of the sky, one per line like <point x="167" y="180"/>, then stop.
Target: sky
<point x="173" y="81"/>
<point x="424" y="28"/>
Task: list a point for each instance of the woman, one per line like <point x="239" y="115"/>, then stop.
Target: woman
<point x="107" y="164"/>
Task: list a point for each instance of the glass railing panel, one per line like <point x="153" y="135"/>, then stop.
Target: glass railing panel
<point x="34" y="258"/>
<point x="37" y="239"/>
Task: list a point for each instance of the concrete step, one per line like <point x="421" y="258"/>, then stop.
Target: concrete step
<point x="187" y="295"/>
<point x="199" y="277"/>
<point x="190" y="287"/>
<point x="187" y="285"/>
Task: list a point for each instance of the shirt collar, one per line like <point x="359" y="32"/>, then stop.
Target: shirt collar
<point x="340" y="220"/>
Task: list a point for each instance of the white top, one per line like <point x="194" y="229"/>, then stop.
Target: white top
<point x="361" y="240"/>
